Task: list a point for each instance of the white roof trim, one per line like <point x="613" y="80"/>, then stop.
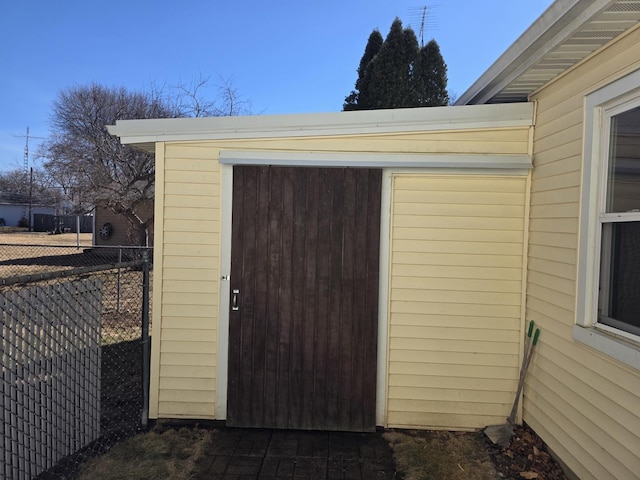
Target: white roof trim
<point x="146" y="132"/>
<point x="559" y="22"/>
<point x="374" y="160"/>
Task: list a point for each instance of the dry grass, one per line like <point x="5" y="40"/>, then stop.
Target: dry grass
<point x="174" y="454"/>
<point x="440" y="455"/>
<point x="21" y="237"/>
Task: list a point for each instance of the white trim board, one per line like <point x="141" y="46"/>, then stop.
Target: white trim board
<point x="374" y="160"/>
<point x="403" y="120"/>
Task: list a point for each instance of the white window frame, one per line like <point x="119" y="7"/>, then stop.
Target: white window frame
<point x="600" y="107"/>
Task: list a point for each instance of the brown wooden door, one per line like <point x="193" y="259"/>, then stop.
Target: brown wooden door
<point x="303" y="324"/>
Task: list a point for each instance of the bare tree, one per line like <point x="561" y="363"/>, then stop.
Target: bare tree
<point x="93" y="167"/>
<point x="36" y="187"/>
<point x="191" y="99"/>
<point x="83" y="158"/>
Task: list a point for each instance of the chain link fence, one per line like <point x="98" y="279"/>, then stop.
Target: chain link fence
<point x="75" y="353"/>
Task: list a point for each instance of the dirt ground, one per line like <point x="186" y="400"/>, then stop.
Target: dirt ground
<point x="418" y="455"/>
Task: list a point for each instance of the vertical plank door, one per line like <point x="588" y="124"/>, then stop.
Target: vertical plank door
<point x="304" y="298"/>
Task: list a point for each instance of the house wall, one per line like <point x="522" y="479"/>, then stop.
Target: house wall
<point x="584" y="404"/>
<point x="457" y="250"/>
<point x="13" y="213"/>
<point x="121" y="227"/>
<point x="186" y="314"/>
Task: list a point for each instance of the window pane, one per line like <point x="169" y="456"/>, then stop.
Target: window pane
<point x="623" y="192"/>
<point x="620" y="304"/>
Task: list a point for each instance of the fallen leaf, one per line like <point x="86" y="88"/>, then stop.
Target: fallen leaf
<point x="536" y="451"/>
<point x="529" y="475"/>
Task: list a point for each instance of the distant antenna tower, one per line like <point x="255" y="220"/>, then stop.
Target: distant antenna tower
<point x="26" y="153"/>
<point x="25" y="167"/>
<point x="424" y="15"/>
<point x="26" y="171"/>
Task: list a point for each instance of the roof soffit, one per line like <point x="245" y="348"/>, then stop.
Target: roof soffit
<point x="566" y="33"/>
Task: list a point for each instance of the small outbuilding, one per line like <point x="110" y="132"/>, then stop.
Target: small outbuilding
<point x="350" y="270"/>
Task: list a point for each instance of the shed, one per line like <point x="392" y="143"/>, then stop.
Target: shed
<point x="354" y="269"/>
<point x="295" y="253"/>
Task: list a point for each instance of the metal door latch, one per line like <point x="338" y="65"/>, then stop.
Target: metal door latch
<point x="234" y="300"/>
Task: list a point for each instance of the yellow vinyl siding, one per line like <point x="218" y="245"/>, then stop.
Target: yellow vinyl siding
<point x="582" y="403"/>
<point x="457" y="245"/>
<point x="190" y="266"/>
<point x="188" y="201"/>
<point x="493" y="141"/>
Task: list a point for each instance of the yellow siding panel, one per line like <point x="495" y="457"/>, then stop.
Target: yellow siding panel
<point x="187" y="359"/>
<point x="507" y="311"/>
<point x="413" y="294"/>
<point x="193" y="396"/>
<point x="175" y="371"/>
<point x="186" y="335"/>
<point x="194" y="189"/>
<point x="452" y="284"/>
<point x="445" y="271"/>
<point x="445" y="345"/>
<point x="454" y="358"/>
<point x="453" y="321"/>
<point x="179" y="346"/>
<point x="457" y="248"/>
<point x="415" y="233"/>
<point x="195" y="201"/>
<point x="206" y="225"/>
<point x="188" y="213"/>
<point x="195" y="322"/>
<point x="449" y="395"/>
<point x="175" y="273"/>
<point x="429" y="258"/>
<point x="448" y="383"/>
<point x="465" y="223"/>
<point x="403" y="418"/>
<point x="581" y="402"/>
<point x="496" y="141"/>
<point x="182" y="240"/>
<point x="187" y="409"/>
<point x="190" y="286"/>
<point x="190" y="269"/>
<point x="190" y="383"/>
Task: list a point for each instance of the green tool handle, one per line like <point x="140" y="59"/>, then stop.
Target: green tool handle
<point x="535" y="337"/>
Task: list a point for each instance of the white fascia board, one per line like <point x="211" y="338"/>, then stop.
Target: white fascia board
<point x="374" y="160"/>
<point x="554" y="26"/>
<point x="143" y="132"/>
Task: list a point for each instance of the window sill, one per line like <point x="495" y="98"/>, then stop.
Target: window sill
<point x="624" y="351"/>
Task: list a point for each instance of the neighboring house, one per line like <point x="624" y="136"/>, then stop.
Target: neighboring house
<point x="307" y="265"/>
<point x="113" y="229"/>
<point x="15" y="207"/>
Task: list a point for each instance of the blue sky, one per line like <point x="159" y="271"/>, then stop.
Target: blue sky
<point x="284" y="56"/>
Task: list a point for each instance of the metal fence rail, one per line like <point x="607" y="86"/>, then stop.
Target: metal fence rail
<point x="75" y="352"/>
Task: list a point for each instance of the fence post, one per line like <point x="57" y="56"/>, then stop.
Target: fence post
<point x="118" y="285"/>
<point x="145" y="338"/>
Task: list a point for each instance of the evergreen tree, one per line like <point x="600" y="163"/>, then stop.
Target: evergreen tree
<point x="358" y="97"/>
<point x="430" y="77"/>
<point x="397" y="73"/>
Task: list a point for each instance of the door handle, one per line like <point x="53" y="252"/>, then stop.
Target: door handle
<point x="234" y="300"/>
